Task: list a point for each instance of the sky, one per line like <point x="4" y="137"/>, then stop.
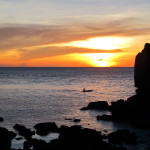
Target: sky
<point x="72" y="33"/>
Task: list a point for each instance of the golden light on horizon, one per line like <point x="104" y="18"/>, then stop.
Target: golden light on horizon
<point x="102" y="43"/>
<point x="100" y="59"/>
<point x="105" y="43"/>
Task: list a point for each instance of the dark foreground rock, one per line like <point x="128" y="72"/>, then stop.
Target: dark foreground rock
<point x="76" y="120"/>
<point x="76" y="137"/>
<point x="99" y="105"/>
<point x="105" y="117"/>
<point x="1" y="119"/>
<point x="44" y="129"/>
<point x="122" y="136"/>
<point x="5" y="138"/>
<point x="23" y="131"/>
<point x="70" y="138"/>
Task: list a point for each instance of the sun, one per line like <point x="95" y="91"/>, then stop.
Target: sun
<point x="102" y="43"/>
<point x="100" y="59"/>
<point x="104" y="46"/>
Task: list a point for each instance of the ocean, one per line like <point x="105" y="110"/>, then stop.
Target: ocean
<point x="32" y="95"/>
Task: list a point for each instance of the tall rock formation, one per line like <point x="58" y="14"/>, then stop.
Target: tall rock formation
<point x="142" y="71"/>
<point x="136" y="109"/>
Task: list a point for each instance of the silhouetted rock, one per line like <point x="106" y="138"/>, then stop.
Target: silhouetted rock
<point x="73" y="119"/>
<point x="135" y="109"/>
<point x="1" y="119"/>
<point x="23" y="131"/>
<point x="122" y="136"/>
<point x="69" y="119"/>
<point x="99" y="105"/>
<point x="27" y="145"/>
<point x="76" y="137"/>
<point x="5" y="138"/>
<point x="45" y="128"/>
<point x="39" y="144"/>
<point x="105" y="117"/>
<point x="76" y="120"/>
<point x="142" y="70"/>
<point x="19" y="138"/>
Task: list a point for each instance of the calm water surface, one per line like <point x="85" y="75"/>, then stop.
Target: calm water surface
<point x="32" y="95"/>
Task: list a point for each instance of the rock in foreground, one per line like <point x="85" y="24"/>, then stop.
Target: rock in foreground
<point x="23" y="131"/>
<point x="122" y="136"/>
<point x="5" y="138"/>
<point x="45" y="128"/>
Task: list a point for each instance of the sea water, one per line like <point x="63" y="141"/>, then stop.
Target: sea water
<point x="52" y="94"/>
<point x="32" y="95"/>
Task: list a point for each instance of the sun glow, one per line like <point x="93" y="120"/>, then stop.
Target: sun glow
<point x="105" y="43"/>
<point x="100" y="59"/>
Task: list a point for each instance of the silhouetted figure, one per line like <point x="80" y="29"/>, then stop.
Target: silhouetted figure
<point x="142" y="71"/>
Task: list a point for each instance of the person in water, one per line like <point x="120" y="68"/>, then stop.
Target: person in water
<point x="84" y="90"/>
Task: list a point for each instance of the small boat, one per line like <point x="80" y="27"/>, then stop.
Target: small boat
<point x="84" y="90"/>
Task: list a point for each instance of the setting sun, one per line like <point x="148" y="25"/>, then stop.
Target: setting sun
<point x="100" y="59"/>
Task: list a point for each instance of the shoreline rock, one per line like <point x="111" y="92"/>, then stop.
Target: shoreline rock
<point x="99" y="105"/>
<point x="74" y="137"/>
<point x="23" y="131"/>
<point x="135" y="110"/>
<point x="122" y="136"/>
<point x="45" y="128"/>
<point x="1" y="119"/>
<point x="5" y="138"/>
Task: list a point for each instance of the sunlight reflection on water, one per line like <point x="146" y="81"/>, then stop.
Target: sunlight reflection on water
<point x="32" y="95"/>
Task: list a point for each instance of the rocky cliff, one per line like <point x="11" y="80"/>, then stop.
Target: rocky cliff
<point x="142" y="70"/>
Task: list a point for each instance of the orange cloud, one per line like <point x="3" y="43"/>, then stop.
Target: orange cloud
<point x="56" y="51"/>
<point x="26" y="45"/>
<point x="33" y="35"/>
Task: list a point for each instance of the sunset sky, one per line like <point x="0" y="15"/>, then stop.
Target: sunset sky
<point x="72" y="33"/>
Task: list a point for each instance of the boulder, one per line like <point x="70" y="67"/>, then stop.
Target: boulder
<point x="105" y="117"/>
<point x="27" y="145"/>
<point x="23" y="131"/>
<point x="44" y="129"/>
<point x="99" y="105"/>
<point x="76" y="120"/>
<point x="76" y="137"/>
<point x="5" y="138"/>
<point x="122" y="136"/>
<point x="1" y="119"/>
<point x="39" y="145"/>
